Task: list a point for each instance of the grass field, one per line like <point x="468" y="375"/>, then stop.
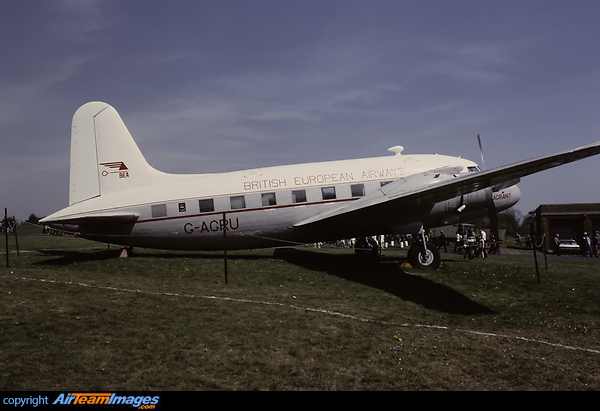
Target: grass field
<point x="75" y="316"/>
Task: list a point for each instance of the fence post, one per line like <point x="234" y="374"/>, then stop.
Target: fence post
<point x="6" y="233"/>
<point x="224" y="227"/>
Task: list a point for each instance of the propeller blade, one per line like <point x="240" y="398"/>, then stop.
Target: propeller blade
<point x="481" y="152"/>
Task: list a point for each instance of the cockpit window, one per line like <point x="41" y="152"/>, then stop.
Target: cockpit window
<point x="473" y="168"/>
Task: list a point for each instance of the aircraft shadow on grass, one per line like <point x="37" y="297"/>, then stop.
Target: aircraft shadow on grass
<point x="67" y="257"/>
<point x="64" y="257"/>
<point x="385" y="274"/>
<point x="388" y="276"/>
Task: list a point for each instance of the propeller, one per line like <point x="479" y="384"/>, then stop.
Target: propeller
<point x="481" y="151"/>
<point x="491" y="207"/>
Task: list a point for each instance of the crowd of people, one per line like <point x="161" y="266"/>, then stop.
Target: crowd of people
<point x="588" y="246"/>
<point x="472" y="243"/>
<point x="10" y="226"/>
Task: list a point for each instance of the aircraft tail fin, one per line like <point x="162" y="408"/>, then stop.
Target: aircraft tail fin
<point x="104" y="156"/>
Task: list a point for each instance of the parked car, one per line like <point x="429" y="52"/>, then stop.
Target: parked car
<point x="568" y="246"/>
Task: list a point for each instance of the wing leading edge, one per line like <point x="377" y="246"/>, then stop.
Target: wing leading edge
<point x="439" y="185"/>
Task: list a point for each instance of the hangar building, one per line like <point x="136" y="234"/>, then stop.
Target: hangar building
<point x="569" y="221"/>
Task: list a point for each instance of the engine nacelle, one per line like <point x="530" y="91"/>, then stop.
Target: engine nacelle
<point x="472" y="205"/>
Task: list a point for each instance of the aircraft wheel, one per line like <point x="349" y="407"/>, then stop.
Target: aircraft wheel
<point x="366" y="247"/>
<point x="430" y="258"/>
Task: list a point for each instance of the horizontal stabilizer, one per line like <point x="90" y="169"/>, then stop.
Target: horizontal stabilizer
<point x="93" y="219"/>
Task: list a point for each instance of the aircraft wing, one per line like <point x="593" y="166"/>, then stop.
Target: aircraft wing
<point x="428" y="188"/>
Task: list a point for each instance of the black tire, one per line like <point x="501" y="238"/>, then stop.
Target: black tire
<point x="429" y="259"/>
<point x="366" y="247"/>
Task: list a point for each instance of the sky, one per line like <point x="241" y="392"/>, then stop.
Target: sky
<point x="222" y="85"/>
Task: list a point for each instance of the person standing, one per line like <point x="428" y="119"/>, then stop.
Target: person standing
<point x="443" y="242"/>
<point x="587" y="245"/>
<point x="458" y="240"/>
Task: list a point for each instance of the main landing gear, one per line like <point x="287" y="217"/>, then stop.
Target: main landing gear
<point x="367" y="247"/>
<point x="423" y="253"/>
<point x="420" y="256"/>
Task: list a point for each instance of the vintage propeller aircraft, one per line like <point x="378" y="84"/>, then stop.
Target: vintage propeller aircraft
<point x="116" y="197"/>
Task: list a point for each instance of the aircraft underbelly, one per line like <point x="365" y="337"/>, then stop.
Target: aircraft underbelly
<point x="243" y="229"/>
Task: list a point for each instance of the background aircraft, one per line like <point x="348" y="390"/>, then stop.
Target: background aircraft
<point x="116" y="197"/>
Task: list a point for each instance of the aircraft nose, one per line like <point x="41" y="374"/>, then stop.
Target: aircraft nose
<point x="506" y="198"/>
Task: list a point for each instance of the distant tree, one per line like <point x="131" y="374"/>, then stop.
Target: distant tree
<point x="527" y="221"/>
<point x="510" y="220"/>
<point x="33" y="219"/>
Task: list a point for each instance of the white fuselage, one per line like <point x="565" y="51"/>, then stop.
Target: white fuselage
<point x="116" y="197"/>
<point x="258" y="207"/>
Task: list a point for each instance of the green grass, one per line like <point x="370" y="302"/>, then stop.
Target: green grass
<point x="73" y="315"/>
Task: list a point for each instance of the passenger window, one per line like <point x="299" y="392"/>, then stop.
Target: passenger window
<point x="207" y="205"/>
<point x="237" y="202"/>
<point x="299" y="196"/>
<point x="182" y="207"/>
<point x="159" y="210"/>
<point x="268" y="199"/>
<point x="328" y="193"/>
<point x="358" y="190"/>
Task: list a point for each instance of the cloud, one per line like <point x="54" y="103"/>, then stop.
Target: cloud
<point x="218" y="86"/>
